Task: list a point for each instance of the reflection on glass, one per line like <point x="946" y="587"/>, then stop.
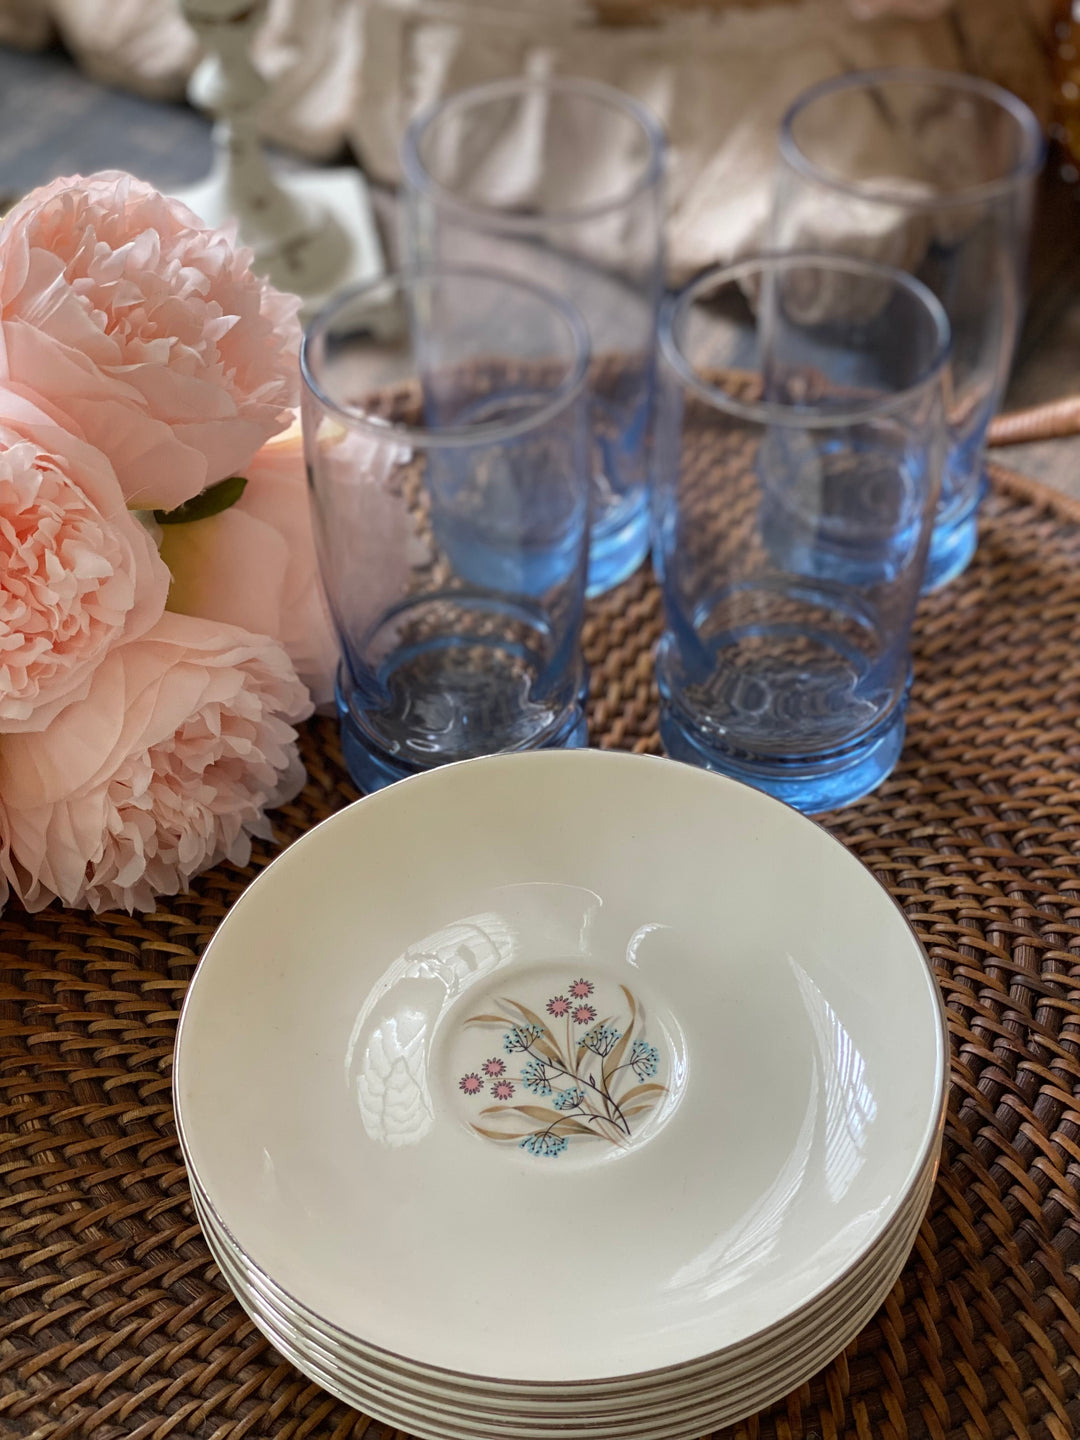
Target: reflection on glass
<point x="850" y="1107"/>
<point x="392" y="1089"/>
<point x="840" y="1109"/>
<point x="392" y="1034"/>
<point x="742" y="1249"/>
<point x="388" y="1057"/>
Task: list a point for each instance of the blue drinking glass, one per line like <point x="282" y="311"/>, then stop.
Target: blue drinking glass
<point x="799" y="448"/>
<point x="446" y="436"/>
<point x="560" y="181"/>
<point x="933" y="172"/>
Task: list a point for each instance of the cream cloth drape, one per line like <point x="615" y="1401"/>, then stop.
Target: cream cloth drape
<point x="719" y="78"/>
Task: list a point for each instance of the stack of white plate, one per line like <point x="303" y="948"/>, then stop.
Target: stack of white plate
<point x="562" y="1094"/>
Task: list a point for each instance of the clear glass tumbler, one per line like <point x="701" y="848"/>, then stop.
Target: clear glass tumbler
<point x="560" y="181"/>
<point x="447" y="442"/>
<point x="932" y="172"/>
<point x="799" y="448"/>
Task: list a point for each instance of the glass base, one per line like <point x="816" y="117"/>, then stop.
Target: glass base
<point x="812" y="784"/>
<point x="953" y="543"/>
<point x="619" y="543"/>
<point x="371" y="767"/>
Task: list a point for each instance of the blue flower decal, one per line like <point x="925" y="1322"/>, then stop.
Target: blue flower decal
<point x="569" y="1099"/>
<point x="521" y="1037"/>
<point x="544" y="1144"/>
<point x="534" y="1077"/>
<point x="644" y="1059"/>
<point x="601" y="1039"/>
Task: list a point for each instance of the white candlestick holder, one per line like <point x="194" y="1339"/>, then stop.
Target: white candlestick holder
<point x="313" y="231"/>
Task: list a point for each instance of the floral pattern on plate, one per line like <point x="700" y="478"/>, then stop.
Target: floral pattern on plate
<point x="570" y="1074"/>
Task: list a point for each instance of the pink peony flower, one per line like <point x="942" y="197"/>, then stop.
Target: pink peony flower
<point x="254" y="565"/>
<point x="147" y="330"/>
<point x="78" y="572"/>
<point x="165" y="768"/>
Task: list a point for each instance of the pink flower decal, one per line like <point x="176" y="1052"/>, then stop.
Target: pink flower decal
<point x="502" y="1090"/>
<point x="581" y="989"/>
<point x="471" y="1084"/>
<point x="558" y="1006"/>
<point x="494" y="1067"/>
<point x="584" y="1015"/>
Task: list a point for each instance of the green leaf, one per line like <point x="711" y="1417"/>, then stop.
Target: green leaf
<point x="211" y="501"/>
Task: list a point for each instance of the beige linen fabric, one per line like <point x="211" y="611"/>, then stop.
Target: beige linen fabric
<point x="719" y="78"/>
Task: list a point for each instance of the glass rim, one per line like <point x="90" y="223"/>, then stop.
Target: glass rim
<point x="794" y="416"/>
<point x="418" y="178"/>
<point x="569" y="389"/>
<point x="1027" y="166"/>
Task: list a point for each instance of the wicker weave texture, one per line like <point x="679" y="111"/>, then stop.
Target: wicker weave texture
<point x="1054" y="420"/>
<point x="115" y="1322"/>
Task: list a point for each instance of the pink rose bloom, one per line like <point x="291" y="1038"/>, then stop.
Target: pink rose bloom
<point x="147" y="330"/>
<point x="78" y="572"/>
<point x="254" y="564"/>
<point x="164" y="769"/>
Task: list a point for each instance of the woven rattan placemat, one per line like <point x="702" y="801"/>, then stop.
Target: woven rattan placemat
<point x="115" y="1322"/>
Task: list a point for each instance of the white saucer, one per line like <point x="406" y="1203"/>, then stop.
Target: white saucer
<point x="728" y="1393"/>
<point x="720" y="1404"/>
<point x="776" y="1028"/>
<point x="637" y="1393"/>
